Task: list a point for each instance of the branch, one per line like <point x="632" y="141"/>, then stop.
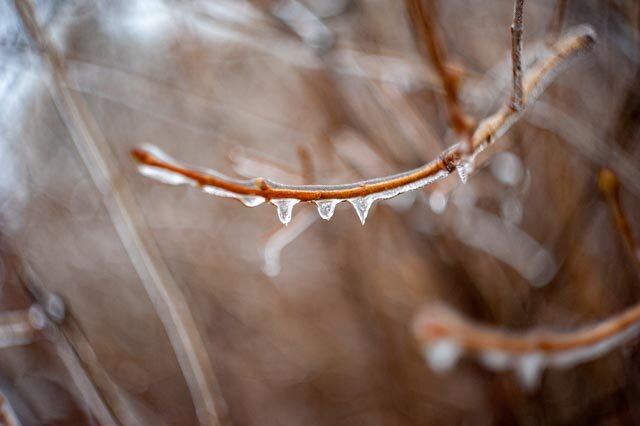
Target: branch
<point x="422" y="22"/>
<point x="445" y="336"/>
<point x="610" y="188"/>
<point x="253" y="192"/>
<point x="516" y="55"/>
<point x="557" y="19"/>
<point x="164" y="292"/>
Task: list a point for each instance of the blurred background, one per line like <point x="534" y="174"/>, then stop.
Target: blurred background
<point x="309" y="323"/>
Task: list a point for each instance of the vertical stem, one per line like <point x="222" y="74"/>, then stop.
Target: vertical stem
<point x="167" y="298"/>
<point x="423" y="22"/>
<point x="516" y="55"/>
<point x="610" y="188"/>
<point x="557" y="19"/>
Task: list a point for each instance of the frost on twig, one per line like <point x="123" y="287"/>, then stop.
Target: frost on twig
<point x="361" y="195"/>
<point x="445" y="336"/>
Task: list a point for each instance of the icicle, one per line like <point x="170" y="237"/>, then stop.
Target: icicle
<point x="464" y="169"/>
<point x="326" y="208"/>
<point x="164" y="176"/>
<point x="528" y="369"/>
<point x="285" y="207"/>
<point x="362" y="206"/>
<point x="442" y="354"/>
<point x="247" y="200"/>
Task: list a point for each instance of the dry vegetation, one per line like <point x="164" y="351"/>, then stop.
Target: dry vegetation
<point x="508" y="299"/>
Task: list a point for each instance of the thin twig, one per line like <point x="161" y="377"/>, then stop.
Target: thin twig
<point x="610" y="187"/>
<point x="450" y="77"/>
<point x="557" y="19"/>
<point x="307" y="168"/>
<point x="517" y="94"/>
<point x="164" y="292"/>
<point x="487" y="132"/>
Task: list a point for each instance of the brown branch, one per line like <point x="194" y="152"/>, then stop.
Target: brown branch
<point x="610" y="187"/>
<point x="499" y="350"/>
<point x="307" y="168"/>
<point x="557" y="19"/>
<point x="487" y="132"/>
<point x="517" y="94"/>
<point x="449" y="75"/>
<point x="164" y="292"/>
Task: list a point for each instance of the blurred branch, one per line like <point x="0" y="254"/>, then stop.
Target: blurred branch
<point x="557" y="19"/>
<point x="168" y="300"/>
<point x="450" y="76"/>
<point x="252" y="192"/>
<point x="445" y="335"/>
<point x="610" y="187"/>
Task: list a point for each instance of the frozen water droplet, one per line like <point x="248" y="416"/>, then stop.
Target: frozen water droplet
<point x="37" y="317"/>
<point x="164" y="176"/>
<point x="528" y="369"/>
<point x="251" y="200"/>
<point x="442" y="355"/>
<point x="362" y="206"/>
<point x="55" y="307"/>
<point x="495" y="360"/>
<point x="507" y="168"/>
<point x="437" y="202"/>
<point x="464" y="169"/>
<point x="285" y="207"/>
<point x="326" y="208"/>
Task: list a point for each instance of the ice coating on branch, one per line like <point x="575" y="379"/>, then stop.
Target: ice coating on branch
<point x="464" y="169"/>
<point x="170" y="177"/>
<point x="164" y="176"/>
<point x="326" y="208"/>
<point x="442" y="355"/>
<point x="247" y="200"/>
<point x="445" y="336"/>
<point x="362" y="206"/>
<point x="285" y="207"/>
<point x="165" y="169"/>
<point x="529" y="368"/>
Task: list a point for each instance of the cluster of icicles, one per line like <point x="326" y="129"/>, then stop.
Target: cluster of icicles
<point x="326" y="207"/>
<point x="445" y="337"/>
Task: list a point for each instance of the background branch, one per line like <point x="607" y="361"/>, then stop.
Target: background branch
<point x="162" y="289"/>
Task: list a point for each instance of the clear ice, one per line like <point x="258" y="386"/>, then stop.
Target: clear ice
<point x="285" y="207"/>
<point x="326" y="208"/>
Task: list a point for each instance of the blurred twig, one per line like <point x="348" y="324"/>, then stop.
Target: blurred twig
<point x="610" y="187"/>
<point x="448" y="335"/>
<point x="168" y="300"/>
<point x="450" y="76"/>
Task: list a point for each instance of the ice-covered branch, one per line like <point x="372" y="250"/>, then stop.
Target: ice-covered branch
<point x="445" y="336"/>
<point x="253" y="192"/>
